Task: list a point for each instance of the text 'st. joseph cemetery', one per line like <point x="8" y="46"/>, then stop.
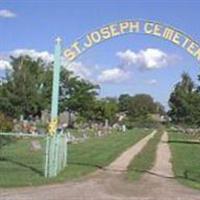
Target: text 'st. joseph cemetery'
<point x="119" y="121"/>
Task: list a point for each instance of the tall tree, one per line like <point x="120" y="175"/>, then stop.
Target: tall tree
<point x="184" y="102"/>
<point x="105" y="108"/>
<point x="124" y="101"/>
<point x="27" y="90"/>
<point x="77" y="95"/>
<point x="141" y="105"/>
<point x="111" y="108"/>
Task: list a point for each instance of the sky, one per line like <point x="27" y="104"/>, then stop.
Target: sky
<point x="31" y="26"/>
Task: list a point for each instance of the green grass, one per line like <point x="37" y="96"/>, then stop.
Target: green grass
<point x="185" y="159"/>
<point x="21" y="167"/>
<point x="145" y="159"/>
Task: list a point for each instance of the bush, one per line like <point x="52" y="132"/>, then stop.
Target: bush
<point x="6" y="125"/>
<point x="141" y="122"/>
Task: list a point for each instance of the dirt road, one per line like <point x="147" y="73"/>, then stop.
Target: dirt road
<point x="111" y="184"/>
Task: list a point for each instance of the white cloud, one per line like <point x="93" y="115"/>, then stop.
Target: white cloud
<point x="80" y="70"/>
<point x="4" y="64"/>
<point x="44" y="55"/>
<point x="115" y="75"/>
<point x="145" y="59"/>
<point x="7" y="14"/>
<point x="129" y="57"/>
<point x="152" y="82"/>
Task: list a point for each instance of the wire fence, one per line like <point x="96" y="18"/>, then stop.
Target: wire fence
<point x="21" y="155"/>
<point x="28" y="155"/>
<point x="55" y="154"/>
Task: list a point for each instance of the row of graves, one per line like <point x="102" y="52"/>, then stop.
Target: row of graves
<point x="193" y="132"/>
<point x="81" y="132"/>
<point x="85" y="131"/>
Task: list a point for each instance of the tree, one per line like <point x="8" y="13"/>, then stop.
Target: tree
<point x="124" y="101"/>
<point x="77" y="95"/>
<point x="141" y="105"/>
<point x="184" y="102"/>
<point x="106" y="108"/>
<point x="160" y="109"/>
<point x="111" y="108"/>
<point x="27" y="90"/>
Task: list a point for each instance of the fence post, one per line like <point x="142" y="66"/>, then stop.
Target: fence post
<point x="46" y="171"/>
<point x="51" y="150"/>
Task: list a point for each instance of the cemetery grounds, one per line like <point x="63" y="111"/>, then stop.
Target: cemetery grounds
<point x="161" y="160"/>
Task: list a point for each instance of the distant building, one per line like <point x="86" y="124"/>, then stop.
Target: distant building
<point x="159" y="118"/>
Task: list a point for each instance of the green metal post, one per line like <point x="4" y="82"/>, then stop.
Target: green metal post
<point x="56" y="154"/>
<point x="64" y="153"/>
<point x="56" y="79"/>
<point x="65" y="150"/>
<point x="47" y="156"/>
<point x="51" y="153"/>
<point x="51" y="156"/>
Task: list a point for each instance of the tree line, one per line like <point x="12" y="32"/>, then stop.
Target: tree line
<point x="27" y="89"/>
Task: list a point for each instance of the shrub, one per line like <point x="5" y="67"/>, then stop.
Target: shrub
<point x="141" y="122"/>
<point x="6" y="125"/>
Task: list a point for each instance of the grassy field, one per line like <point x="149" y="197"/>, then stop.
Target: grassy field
<point x="19" y="166"/>
<point x="186" y="159"/>
<point x="145" y="159"/>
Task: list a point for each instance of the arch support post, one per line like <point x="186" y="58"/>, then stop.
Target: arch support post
<point x="54" y="142"/>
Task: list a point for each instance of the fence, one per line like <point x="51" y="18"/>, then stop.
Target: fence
<point x="56" y="154"/>
<point x="31" y="155"/>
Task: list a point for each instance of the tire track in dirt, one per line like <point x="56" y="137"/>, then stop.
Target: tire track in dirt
<point x="111" y="184"/>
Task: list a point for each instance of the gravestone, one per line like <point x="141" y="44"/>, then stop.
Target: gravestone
<point x="67" y="118"/>
<point x="124" y="128"/>
<point x="45" y="117"/>
<point x="64" y="118"/>
<point x="99" y="133"/>
<point x="35" y="145"/>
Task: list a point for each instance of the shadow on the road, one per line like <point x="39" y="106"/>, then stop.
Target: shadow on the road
<point x="3" y="159"/>
<point x="103" y="168"/>
<point x="153" y="173"/>
<point x="184" y="141"/>
<point x="185" y="175"/>
<point x="86" y="164"/>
